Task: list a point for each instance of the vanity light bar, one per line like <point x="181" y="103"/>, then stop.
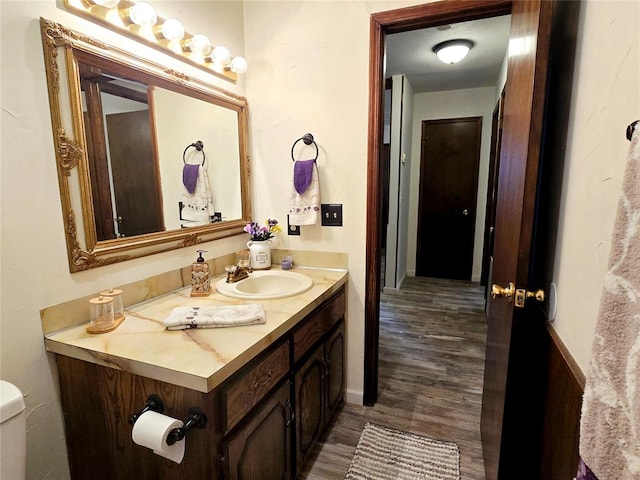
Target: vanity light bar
<point x="138" y="20"/>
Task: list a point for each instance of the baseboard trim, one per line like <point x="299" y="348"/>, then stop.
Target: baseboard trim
<point x="354" y="397"/>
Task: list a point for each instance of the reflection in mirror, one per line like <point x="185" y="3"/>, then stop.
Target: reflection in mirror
<point x="123" y="136"/>
<point x="122" y="163"/>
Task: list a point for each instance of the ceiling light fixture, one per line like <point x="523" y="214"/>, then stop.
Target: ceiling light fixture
<point x="453" y="51"/>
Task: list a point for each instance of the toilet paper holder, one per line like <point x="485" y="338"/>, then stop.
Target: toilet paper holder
<point x="195" y="419"/>
<point x="153" y="403"/>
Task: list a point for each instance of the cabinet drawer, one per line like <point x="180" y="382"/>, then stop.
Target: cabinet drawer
<point x="244" y="392"/>
<point x="317" y="325"/>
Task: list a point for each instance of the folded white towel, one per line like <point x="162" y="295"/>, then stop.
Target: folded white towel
<point x="182" y="318"/>
<point x="304" y="209"/>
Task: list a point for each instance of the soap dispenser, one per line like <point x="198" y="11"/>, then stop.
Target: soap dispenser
<point x="200" y="278"/>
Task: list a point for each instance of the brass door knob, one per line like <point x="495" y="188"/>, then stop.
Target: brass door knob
<point x="520" y="294"/>
<point x="499" y="291"/>
<point x="538" y="295"/>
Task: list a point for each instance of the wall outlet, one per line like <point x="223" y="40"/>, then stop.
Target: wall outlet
<point x="331" y="214"/>
<point x="292" y="229"/>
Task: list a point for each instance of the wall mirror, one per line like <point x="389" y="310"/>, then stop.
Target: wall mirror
<point x="148" y="158"/>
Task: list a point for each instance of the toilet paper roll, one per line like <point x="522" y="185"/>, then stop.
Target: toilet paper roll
<point x="151" y="430"/>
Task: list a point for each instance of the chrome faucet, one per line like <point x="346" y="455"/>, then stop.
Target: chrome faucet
<point x="235" y="273"/>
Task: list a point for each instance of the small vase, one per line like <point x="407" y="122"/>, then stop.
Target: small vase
<point x="260" y="254"/>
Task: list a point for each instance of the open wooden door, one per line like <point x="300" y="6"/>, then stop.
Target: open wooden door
<point x="511" y="412"/>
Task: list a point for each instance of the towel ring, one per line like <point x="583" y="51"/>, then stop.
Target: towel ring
<point x="199" y="146"/>
<point x="307" y="138"/>
<point x="631" y="128"/>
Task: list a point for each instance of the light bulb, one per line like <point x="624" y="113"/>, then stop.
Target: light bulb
<point x="172" y="29"/>
<point x="453" y="54"/>
<point x="199" y="44"/>
<point x="143" y="14"/>
<point x="452" y="51"/>
<point x="238" y="65"/>
<point x="220" y="55"/>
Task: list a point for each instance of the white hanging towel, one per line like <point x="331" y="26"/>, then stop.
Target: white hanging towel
<point x="198" y="206"/>
<point x="304" y="204"/>
<point x="610" y="421"/>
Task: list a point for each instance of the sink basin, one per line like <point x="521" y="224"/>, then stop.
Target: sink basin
<point x="266" y="284"/>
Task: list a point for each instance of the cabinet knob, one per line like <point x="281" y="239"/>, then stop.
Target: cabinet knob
<point x="291" y="413"/>
<point x="264" y="380"/>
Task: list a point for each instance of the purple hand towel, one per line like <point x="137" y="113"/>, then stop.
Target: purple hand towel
<point x="584" y="472"/>
<point x="190" y="177"/>
<point x="302" y="175"/>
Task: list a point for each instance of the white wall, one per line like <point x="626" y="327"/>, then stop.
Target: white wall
<point x="606" y="98"/>
<point x="399" y="182"/>
<point x="473" y="102"/>
<point x="35" y="272"/>
<point x="406" y="154"/>
<point x="395" y="148"/>
<point x="309" y="73"/>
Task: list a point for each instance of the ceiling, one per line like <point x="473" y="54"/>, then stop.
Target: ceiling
<point x="410" y="53"/>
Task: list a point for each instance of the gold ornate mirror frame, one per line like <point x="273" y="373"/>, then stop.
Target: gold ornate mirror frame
<point x="60" y="46"/>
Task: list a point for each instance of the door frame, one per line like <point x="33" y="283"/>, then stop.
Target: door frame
<point x="381" y="24"/>
<point x="492" y="187"/>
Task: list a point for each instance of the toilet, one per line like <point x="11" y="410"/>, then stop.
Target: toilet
<point x="13" y="433"/>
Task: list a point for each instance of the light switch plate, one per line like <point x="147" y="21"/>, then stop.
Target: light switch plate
<point x="331" y="214"/>
<point x="292" y="229"/>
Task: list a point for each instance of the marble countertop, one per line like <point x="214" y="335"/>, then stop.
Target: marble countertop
<point x="199" y="359"/>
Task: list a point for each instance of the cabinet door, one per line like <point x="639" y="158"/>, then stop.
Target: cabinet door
<point x="334" y="360"/>
<point x="261" y="448"/>
<point x="309" y="397"/>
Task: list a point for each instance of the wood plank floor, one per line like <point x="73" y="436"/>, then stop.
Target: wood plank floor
<point x="432" y="343"/>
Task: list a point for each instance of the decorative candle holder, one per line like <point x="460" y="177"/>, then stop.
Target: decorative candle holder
<point x="102" y="320"/>
<point x="287" y="263"/>
<point x="118" y="304"/>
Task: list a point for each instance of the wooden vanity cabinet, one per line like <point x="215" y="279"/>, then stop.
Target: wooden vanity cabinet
<point x="97" y="402"/>
<point x="256" y="416"/>
<point x="318" y="375"/>
<point x="262" y="445"/>
<point x="261" y="448"/>
<point x="262" y="422"/>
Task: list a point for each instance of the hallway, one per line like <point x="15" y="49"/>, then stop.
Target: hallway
<point x="432" y="343"/>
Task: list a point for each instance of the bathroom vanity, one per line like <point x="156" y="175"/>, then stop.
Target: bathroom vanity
<point x="268" y="391"/>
